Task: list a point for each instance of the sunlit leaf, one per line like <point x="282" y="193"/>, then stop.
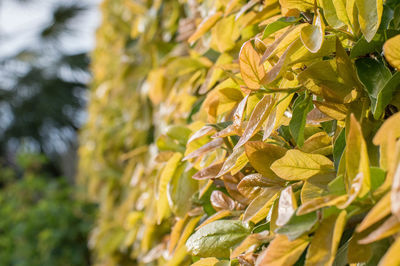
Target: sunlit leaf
<point x="297" y="165"/>
<point x="369" y="16"/>
<point x="250" y="68"/>
<point x="392" y="52"/>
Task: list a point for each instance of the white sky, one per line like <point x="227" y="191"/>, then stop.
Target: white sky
<point x="20" y="23"/>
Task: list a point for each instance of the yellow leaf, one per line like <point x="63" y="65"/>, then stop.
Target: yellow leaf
<point x="395" y="192"/>
<point x="377" y="213"/>
<point x="205" y="26"/>
<point x="334" y="110"/>
<point x="176" y="233"/>
<point x="369" y="16"/>
<point x="325" y="242"/>
<point x="189" y="228"/>
<point x="261" y="155"/>
<point x="165" y="177"/>
<point x="251" y="243"/>
<point x="216" y="216"/>
<point x="211" y="261"/>
<point x="282" y="251"/>
<point x="391" y="49"/>
<point x="236" y="161"/>
<point x="259" y="207"/>
<point x="224" y="34"/>
<point x="250" y="68"/>
<point x="392" y="255"/>
<point x="357" y="156"/>
<point x="330" y="13"/>
<point x="319" y="143"/>
<point x="297" y="165"/>
<point x="318" y="203"/>
<point x="390" y="227"/>
<point x="313" y="35"/>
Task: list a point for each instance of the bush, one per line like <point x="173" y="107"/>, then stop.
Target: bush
<point x="245" y="132"/>
<point x="42" y="221"/>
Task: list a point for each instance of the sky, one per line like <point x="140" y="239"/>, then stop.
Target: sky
<point x="20" y="23"/>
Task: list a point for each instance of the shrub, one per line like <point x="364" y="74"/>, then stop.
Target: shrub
<point x="234" y="132"/>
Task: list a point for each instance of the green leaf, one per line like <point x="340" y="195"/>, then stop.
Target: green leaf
<point x="217" y="238"/>
<point x="337" y="186"/>
<point x="377" y="177"/>
<point x="298" y="225"/>
<point x="279" y="24"/>
<point x="338" y="148"/>
<point x="302" y="106"/>
<point x="180" y="190"/>
<point x="297" y="165"/>
<point x="375" y="75"/>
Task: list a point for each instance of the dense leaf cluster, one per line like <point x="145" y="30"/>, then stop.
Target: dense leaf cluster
<point x="245" y="133"/>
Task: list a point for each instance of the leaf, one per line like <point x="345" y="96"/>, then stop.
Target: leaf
<point x="250" y="68"/>
<point x="297" y="165"/>
<point x="208" y="147"/>
<point x="319" y="143"/>
<point x="211" y="261"/>
<point x="204" y="131"/>
<point x="216" y="216"/>
<point x="261" y="155"/>
<point x="302" y="106"/>
<point x="378" y="82"/>
<point x="325" y="242"/>
<point x="251" y="243"/>
<point x="205" y="26"/>
<point x="260" y="113"/>
<point x="395" y="193"/>
<point x="338" y="148"/>
<point x="357" y="156"/>
<point x="333" y="110"/>
<point x="252" y="185"/>
<point x="298" y="225"/>
<point x="369" y="16"/>
<point x="377" y="213"/>
<point x="220" y="201"/>
<point x="259" y="207"/>
<point x="392" y="255"/>
<point x="166" y="176"/>
<point x="330" y="13"/>
<point x="216" y="238"/>
<point x="209" y="172"/>
<point x="388" y="228"/>
<point x="391" y="128"/>
<point x="224" y="34"/>
<point x="278" y="25"/>
<point x="287" y="206"/>
<point x="282" y="251"/>
<point x="313" y="35"/>
<point x="392" y="51"/>
<point x="180" y="190"/>
<point x="236" y="160"/>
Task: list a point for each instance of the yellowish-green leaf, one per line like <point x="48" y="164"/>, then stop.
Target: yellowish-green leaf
<point x="261" y="155"/>
<point x="250" y="68"/>
<point x="165" y="177"/>
<point x="319" y="143"/>
<point x="369" y="16"/>
<point x="224" y="34"/>
<point x="324" y="245"/>
<point x="357" y="156"/>
<point x="313" y="35"/>
<point x="216" y="216"/>
<point x="282" y="251"/>
<point x="258" y="209"/>
<point x="252" y="242"/>
<point x="235" y="162"/>
<point x="211" y="261"/>
<point x="298" y="165"/>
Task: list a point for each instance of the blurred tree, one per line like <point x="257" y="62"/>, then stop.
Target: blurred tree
<point x="43" y="221"/>
<point x="42" y="92"/>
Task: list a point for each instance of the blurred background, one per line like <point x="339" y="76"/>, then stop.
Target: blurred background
<point x="44" y="59"/>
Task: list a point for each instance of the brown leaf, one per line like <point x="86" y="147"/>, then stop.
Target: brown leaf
<point x="220" y="201"/>
<point x="208" y="172"/>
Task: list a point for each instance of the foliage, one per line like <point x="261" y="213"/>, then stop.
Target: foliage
<point x="251" y="133"/>
<point x="42" y="220"/>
